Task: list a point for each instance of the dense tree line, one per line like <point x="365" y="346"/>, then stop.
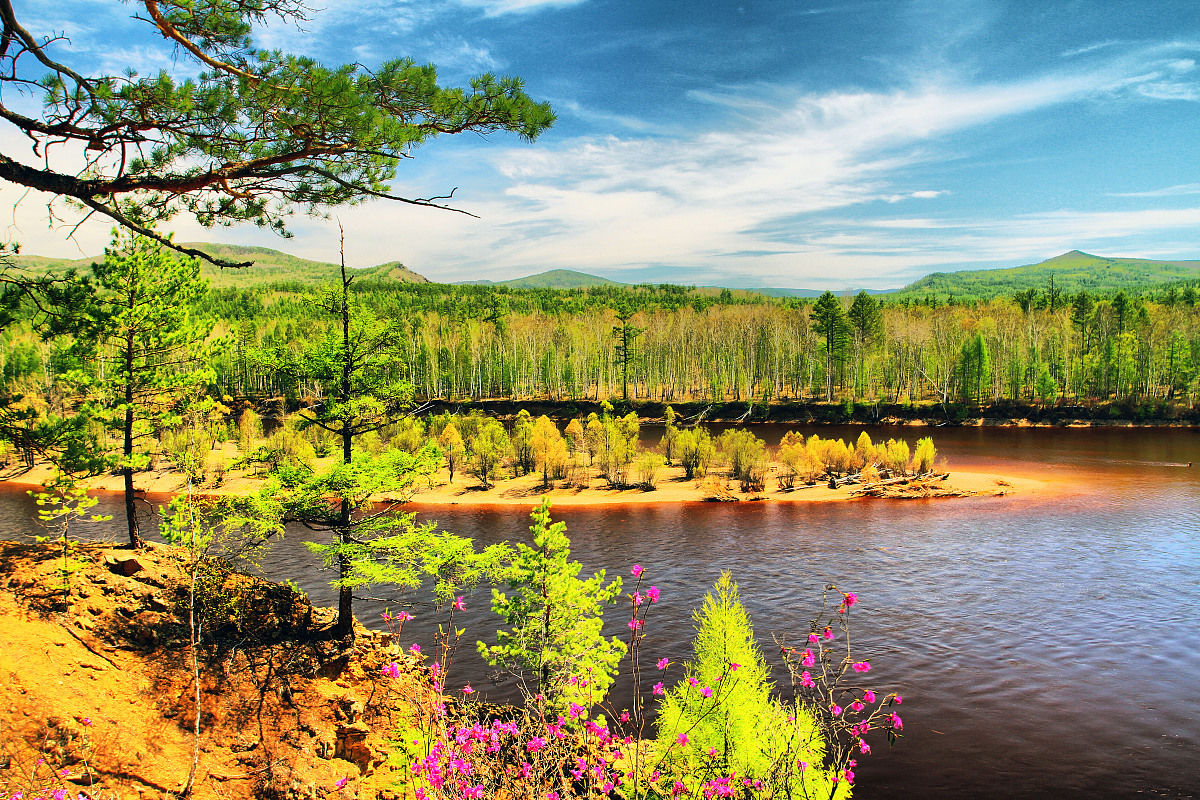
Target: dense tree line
<point x="669" y="344"/>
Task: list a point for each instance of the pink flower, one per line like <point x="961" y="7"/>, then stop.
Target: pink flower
<point x="896" y="722"/>
<point x="677" y="789"/>
<point x="802" y="765"/>
<point x="459" y="604"/>
<point x="638" y="599"/>
<point x="652" y="593"/>
<point x="636" y="571"/>
<point x="402" y="616"/>
<point x="861" y="666"/>
<point x="849" y="776"/>
<point x="706" y="692"/>
<point x="624" y="716"/>
<point x="899" y="699"/>
<point x="857" y="706"/>
<point x="635" y="624"/>
<point x="733" y="666"/>
<point x="813" y="638"/>
<point x="86" y="720"/>
<point x="849" y="599"/>
<point x="863" y="747"/>
<point x="869" y="696"/>
<point x="836" y="710"/>
<point x="535" y="744"/>
<point x="806" y="680"/>
<point x="663" y="663"/>
<point x="391" y="670"/>
<point x="416" y="648"/>
<point x="828" y="634"/>
<point x="468" y="690"/>
<point x="341" y="782"/>
<point x="809" y="659"/>
<point x="551" y="795"/>
<point x="693" y="682"/>
<point x="659" y="688"/>
<point x="681" y="739"/>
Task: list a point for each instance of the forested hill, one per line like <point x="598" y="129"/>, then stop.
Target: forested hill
<point x="1072" y="272"/>
<point x="271" y="268"/>
<point x="558" y="279"/>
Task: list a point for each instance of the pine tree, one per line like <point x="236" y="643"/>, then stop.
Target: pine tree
<point x="555" y="620"/>
<point x="146" y="347"/>
<point x="724" y="704"/>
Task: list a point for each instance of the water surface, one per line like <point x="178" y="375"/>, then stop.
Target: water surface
<point x="1045" y="646"/>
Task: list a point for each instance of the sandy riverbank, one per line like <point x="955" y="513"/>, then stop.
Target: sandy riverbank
<point x="672" y="487"/>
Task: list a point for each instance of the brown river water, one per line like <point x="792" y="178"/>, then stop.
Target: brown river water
<point x="1046" y="646"/>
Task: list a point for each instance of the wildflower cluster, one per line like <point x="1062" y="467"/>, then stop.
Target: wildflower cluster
<point x="825" y="676"/>
<point x="719" y="728"/>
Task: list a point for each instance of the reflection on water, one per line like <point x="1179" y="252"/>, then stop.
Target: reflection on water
<point x="1045" y="646"/>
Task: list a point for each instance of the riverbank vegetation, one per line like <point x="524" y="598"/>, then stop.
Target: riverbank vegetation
<point x="257" y="697"/>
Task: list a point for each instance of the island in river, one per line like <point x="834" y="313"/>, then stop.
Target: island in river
<point x="671" y="487"/>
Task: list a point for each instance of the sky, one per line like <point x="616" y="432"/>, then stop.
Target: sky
<point x="744" y="143"/>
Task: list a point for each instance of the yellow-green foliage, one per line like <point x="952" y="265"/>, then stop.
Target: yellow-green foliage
<point x="249" y="429"/>
<point x="648" y="466"/>
<point x="864" y="451"/>
<point x="922" y="460"/>
<point x="452" y="446"/>
<point x="549" y="450"/>
<point x="694" y="449"/>
<point x="724" y="704"/>
<point x="896" y="456"/>
<point x="293" y="444"/>
<point x="408" y="435"/>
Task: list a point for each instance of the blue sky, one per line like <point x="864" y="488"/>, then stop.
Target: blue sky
<point x="787" y="143"/>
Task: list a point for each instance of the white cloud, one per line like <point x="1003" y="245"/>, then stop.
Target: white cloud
<point x="496" y="8"/>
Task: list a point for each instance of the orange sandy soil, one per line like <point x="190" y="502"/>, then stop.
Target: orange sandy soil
<point x="96" y="693"/>
<point x="526" y="490"/>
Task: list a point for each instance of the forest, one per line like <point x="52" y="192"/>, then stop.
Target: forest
<point x="667" y="343"/>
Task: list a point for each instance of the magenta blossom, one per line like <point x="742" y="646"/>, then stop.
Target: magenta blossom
<point x="849" y="599"/>
<point x="733" y="666"/>
<point x="459" y="605"/>
<point x="468" y="690"/>
<point x="341" y="782"/>
<point x="636" y="571"/>
<point x="659" y="688"/>
<point x="663" y="663"/>
<point x="681" y="739"/>
<point x="899" y="699"/>
<point x="652" y="593"/>
<point x="869" y="696"/>
<point x="896" y="722"/>
<point x="836" y="710"/>
<point x="635" y="624"/>
<point x="706" y="692"/>
<point x="809" y="659"/>
<point x="861" y="666"/>
<point x="806" y="680"/>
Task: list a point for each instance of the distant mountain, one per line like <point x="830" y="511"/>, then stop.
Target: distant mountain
<point x="270" y="266"/>
<point x="1073" y="272"/>
<point x="551" y="279"/>
<point x="780" y="292"/>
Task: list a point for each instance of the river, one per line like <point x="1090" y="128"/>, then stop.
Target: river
<point x="1045" y="646"/>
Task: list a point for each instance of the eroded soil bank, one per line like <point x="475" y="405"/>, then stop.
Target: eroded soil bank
<point x="96" y="691"/>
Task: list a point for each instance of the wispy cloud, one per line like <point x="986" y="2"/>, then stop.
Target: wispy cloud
<point x="1178" y="190"/>
<point x="496" y="8"/>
